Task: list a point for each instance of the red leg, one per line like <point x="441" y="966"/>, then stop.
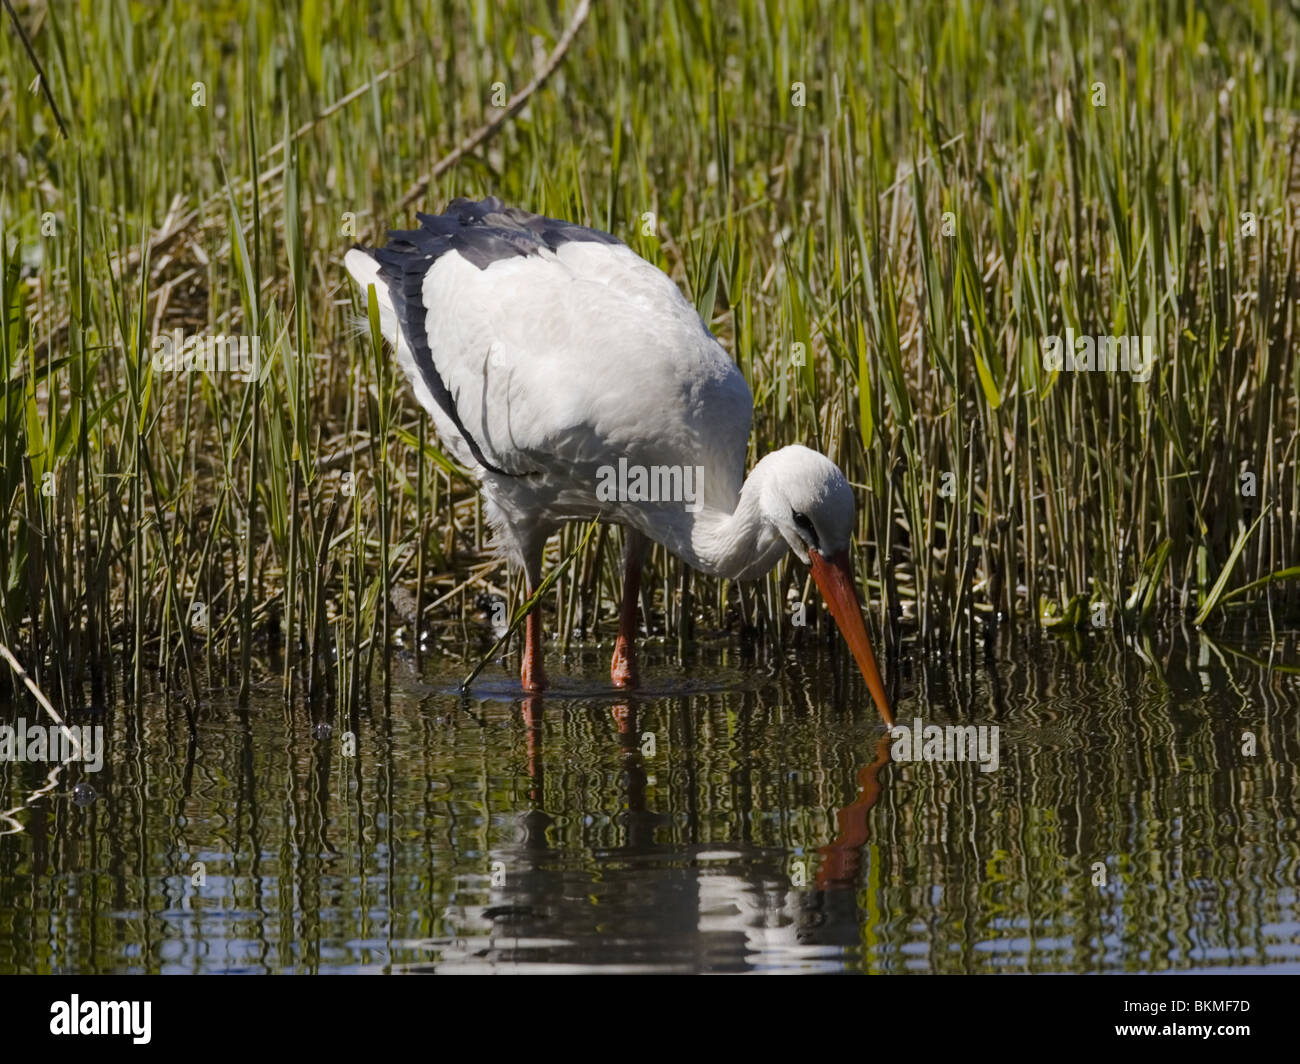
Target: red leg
<point x="622" y="670"/>
<point x="533" y="675"/>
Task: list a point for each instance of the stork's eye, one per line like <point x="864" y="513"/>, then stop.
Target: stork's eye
<point x="804" y="523"/>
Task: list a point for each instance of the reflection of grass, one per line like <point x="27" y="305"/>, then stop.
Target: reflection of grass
<point x="367" y="853"/>
<point x="949" y="195"/>
<point x="1264" y="663"/>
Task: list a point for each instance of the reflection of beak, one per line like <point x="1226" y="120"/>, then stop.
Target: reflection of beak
<point x="834" y="577"/>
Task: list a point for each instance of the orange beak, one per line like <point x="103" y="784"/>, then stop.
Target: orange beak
<point x="834" y="577"/>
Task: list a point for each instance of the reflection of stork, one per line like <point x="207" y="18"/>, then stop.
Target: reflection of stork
<point x="720" y="906"/>
<point x="548" y="355"/>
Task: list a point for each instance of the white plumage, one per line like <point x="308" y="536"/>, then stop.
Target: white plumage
<point x="548" y="353"/>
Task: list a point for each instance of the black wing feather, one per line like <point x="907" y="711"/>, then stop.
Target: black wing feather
<point x="481" y="232"/>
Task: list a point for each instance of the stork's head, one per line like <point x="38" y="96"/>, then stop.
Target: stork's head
<point x="809" y="503"/>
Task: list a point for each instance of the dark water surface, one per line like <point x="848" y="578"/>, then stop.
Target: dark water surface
<point x="732" y="817"/>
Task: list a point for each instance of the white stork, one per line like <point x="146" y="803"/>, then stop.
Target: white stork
<point x="550" y="355"/>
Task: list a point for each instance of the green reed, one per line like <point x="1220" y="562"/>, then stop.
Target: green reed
<point x="881" y="210"/>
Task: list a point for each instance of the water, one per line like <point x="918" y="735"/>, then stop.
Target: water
<point x="732" y="817"/>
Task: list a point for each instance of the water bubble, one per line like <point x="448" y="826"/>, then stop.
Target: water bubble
<point x="83" y="794"/>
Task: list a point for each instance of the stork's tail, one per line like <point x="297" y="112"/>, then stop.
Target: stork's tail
<point x="413" y="346"/>
<point x="365" y="271"/>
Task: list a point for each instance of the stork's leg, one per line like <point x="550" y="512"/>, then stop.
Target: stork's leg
<point x="532" y="675"/>
<point x="622" y="670"/>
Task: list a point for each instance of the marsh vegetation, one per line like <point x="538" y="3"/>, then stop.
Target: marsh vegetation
<point x="884" y="211"/>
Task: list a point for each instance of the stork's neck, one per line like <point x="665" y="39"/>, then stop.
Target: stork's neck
<point x="735" y="544"/>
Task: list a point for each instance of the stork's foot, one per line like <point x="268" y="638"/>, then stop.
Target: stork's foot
<point x="532" y="677"/>
<point x="623" y="670"/>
